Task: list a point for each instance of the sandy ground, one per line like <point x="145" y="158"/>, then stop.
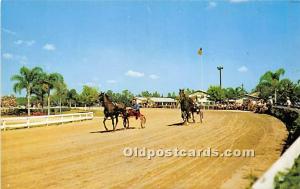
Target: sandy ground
<point x="81" y="155"/>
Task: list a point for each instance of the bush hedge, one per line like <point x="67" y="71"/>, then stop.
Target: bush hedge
<point x="291" y="118"/>
<point x="23" y="111"/>
<point x="289" y="179"/>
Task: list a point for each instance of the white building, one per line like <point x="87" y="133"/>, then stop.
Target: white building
<point x="157" y="102"/>
<point x="201" y="97"/>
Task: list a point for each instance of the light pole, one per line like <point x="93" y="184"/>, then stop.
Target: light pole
<point x="220" y="68"/>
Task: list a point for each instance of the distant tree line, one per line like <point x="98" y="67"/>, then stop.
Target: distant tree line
<point x="173" y="95"/>
<point x="218" y="94"/>
<point x="49" y="89"/>
<point x="270" y="85"/>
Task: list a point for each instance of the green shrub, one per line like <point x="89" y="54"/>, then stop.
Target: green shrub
<point x="289" y="179"/>
<point x="291" y="118"/>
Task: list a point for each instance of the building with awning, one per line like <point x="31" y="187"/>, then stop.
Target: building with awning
<point x="157" y="102"/>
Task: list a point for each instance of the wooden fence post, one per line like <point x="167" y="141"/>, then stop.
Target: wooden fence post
<point x="4" y="125"/>
<point x="62" y="119"/>
<point x="28" y="122"/>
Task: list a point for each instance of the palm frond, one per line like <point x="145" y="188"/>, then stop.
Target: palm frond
<point x="267" y="77"/>
<point x="18" y="87"/>
<point x="17" y="78"/>
<point x="25" y="72"/>
<point x="280" y="72"/>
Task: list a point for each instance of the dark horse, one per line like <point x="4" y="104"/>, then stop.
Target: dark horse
<point x="188" y="107"/>
<point x="112" y="110"/>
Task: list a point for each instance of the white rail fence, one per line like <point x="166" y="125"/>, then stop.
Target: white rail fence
<point x="26" y="122"/>
<point x="286" y="161"/>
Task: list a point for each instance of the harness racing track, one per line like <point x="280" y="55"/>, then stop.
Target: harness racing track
<point x="82" y="155"/>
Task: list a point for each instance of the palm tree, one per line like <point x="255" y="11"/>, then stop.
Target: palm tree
<point x="61" y="91"/>
<point x="51" y="81"/>
<point x="272" y="79"/>
<point x="40" y="88"/>
<point x="25" y="80"/>
<point x="71" y="96"/>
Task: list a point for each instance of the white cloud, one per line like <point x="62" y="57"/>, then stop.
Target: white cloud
<point x="49" y="47"/>
<point x="9" y="31"/>
<point x="90" y="84"/>
<point x="7" y="56"/>
<point x="243" y="69"/>
<point x="17" y="58"/>
<point x="19" y="42"/>
<point x="22" y="59"/>
<point x="131" y="73"/>
<point x="29" y="43"/>
<point x="153" y="76"/>
<point x="238" y="1"/>
<point x="111" y="81"/>
<point x="22" y="42"/>
<point x="211" y="4"/>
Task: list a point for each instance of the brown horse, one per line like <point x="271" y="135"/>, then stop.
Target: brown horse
<point x="188" y="107"/>
<point x="112" y="110"/>
<point x="133" y="113"/>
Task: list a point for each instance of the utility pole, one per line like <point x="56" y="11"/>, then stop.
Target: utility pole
<point x="220" y="68"/>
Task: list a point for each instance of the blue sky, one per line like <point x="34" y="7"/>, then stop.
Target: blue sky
<point x="151" y="45"/>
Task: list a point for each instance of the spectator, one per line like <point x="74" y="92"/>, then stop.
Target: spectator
<point x="288" y="102"/>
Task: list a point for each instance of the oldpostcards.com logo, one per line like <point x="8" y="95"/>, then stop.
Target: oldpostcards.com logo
<point x="177" y="152"/>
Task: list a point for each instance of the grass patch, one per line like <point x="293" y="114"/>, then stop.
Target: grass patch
<point x="73" y="111"/>
<point x="289" y="179"/>
<point x="252" y="178"/>
<point x="97" y="113"/>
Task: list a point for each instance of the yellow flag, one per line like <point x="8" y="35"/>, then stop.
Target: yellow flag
<point x="200" y="51"/>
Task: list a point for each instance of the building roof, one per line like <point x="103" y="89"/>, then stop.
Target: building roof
<point x="141" y="98"/>
<point x="199" y="91"/>
<point x="254" y="95"/>
<point x="155" y="99"/>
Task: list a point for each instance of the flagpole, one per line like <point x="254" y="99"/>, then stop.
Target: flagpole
<point x="201" y="67"/>
<point x="202" y="73"/>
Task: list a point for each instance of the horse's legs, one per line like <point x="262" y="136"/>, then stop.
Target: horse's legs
<point x="127" y="122"/>
<point x="182" y="115"/>
<point x="124" y="121"/>
<point x="187" y="115"/>
<point x="113" y="122"/>
<point x="193" y="117"/>
<point x="117" y="120"/>
<point x="201" y="116"/>
<point x="104" y="123"/>
<point x="143" y="121"/>
<point x="186" y="119"/>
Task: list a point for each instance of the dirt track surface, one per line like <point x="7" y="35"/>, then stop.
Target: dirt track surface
<point x="80" y="155"/>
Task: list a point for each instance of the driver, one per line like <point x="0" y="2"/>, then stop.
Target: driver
<point x="136" y="108"/>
